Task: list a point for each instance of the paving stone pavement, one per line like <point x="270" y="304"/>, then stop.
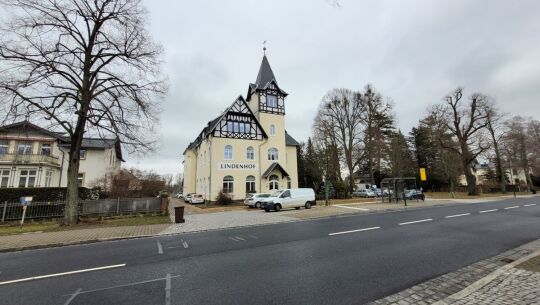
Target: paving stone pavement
<point x="497" y="280"/>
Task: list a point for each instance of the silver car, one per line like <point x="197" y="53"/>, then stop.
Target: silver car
<point x="255" y="199"/>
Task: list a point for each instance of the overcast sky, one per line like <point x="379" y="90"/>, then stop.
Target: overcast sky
<point x="413" y="52"/>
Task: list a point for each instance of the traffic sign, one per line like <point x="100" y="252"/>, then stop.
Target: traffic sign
<point x="423" y="176"/>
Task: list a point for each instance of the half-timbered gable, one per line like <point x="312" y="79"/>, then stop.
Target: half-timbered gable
<point x="239" y="122"/>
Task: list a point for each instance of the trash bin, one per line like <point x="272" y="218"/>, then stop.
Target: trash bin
<point x="179" y="214"/>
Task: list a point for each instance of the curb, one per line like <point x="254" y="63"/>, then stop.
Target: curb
<point x="484" y="281"/>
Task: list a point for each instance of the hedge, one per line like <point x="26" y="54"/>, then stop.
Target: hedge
<point x="45" y="194"/>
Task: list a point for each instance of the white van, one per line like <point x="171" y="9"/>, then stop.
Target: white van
<point x="290" y="198"/>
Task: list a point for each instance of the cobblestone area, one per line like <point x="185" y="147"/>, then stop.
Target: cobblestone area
<point x="515" y="286"/>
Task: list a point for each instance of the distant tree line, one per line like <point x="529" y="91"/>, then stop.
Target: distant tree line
<point x="354" y="135"/>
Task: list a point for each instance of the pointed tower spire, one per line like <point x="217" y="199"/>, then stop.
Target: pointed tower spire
<point x="265" y="74"/>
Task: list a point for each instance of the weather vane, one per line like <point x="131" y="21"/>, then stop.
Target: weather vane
<point x="264" y="47"/>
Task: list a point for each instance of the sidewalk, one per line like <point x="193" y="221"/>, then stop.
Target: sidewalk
<point x="512" y="277"/>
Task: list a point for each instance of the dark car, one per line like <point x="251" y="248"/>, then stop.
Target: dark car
<point x="414" y="194"/>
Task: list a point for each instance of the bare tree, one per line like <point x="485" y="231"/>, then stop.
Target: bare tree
<point x="495" y="127"/>
<point x="519" y="147"/>
<point x="83" y="66"/>
<point x="340" y="118"/>
<point x="466" y="122"/>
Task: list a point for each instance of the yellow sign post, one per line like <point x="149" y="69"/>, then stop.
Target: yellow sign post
<point x="423" y="176"/>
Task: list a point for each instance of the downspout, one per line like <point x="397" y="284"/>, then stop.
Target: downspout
<point x="61" y="166"/>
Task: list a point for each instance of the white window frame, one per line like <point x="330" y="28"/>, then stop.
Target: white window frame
<point x="228" y="184"/>
<point x="48" y="178"/>
<point x="27" y="148"/>
<point x="250" y="184"/>
<point x="4" y="147"/>
<point x="273" y="183"/>
<point x="272" y="130"/>
<point x="4" y="177"/>
<point x="273" y="154"/>
<point x="271" y="101"/>
<point x="250" y="153"/>
<point x="45" y="145"/>
<point x="82" y="154"/>
<point x="228" y="152"/>
<point x="80" y="179"/>
<point x="27" y="177"/>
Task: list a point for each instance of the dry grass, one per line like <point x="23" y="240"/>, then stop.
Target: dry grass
<point x="464" y="195"/>
<point x="51" y="226"/>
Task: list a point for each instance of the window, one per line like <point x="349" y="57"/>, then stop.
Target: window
<point x="272" y="130"/>
<point x="4" y="146"/>
<point x="48" y="178"/>
<point x="4" y="178"/>
<point x="273" y="154"/>
<point x="24" y="148"/>
<point x="250" y="153"/>
<point x="274" y="183"/>
<point x="46" y="149"/>
<point x="82" y="154"/>
<point x="228" y="152"/>
<point x="80" y="179"/>
<point x="228" y="184"/>
<point x="27" y="178"/>
<point x="271" y="101"/>
<point x="250" y="184"/>
<point x="286" y="194"/>
<point x="229" y="126"/>
<point x="289" y="183"/>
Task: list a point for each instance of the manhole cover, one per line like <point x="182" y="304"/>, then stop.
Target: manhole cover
<point x="507" y="260"/>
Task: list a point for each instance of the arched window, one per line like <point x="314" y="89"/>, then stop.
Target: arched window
<point x="228" y="184"/>
<point x="250" y="184"/>
<point x="272" y="130"/>
<point x="228" y="152"/>
<point x="274" y="182"/>
<point x="272" y="154"/>
<point x="250" y="153"/>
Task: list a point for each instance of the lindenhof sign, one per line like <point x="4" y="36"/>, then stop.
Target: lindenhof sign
<point x="237" y="166"/>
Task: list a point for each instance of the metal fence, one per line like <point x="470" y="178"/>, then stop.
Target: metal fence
<point x="100" y="207"/>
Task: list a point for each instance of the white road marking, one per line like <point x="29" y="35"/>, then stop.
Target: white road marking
<point x="126" y="285"/>
<point x="61" y="274"/>
<point x="230" y="237"/>
<point x="487" y="211"/>
<point x="353" y="231"/>
<point x="168" y="289"/>
<point x="353" y="208"/>
<point x="416" y="221"/>
<point x="185" y="244"/>
<point x="73" y="296"/>
<point x="458" y="215"/>
<point x="512" y="207"/>
<point x="159" y="247"/>
<point x="529" y="205"/>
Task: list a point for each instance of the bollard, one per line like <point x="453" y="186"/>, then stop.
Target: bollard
<point x="4" y="212"/>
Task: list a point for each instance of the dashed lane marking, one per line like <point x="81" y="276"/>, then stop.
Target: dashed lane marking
<point x="61" y="274"/>
<point x="416" y="221"/>
<point x="159" y="247"/>
<point x="354" y="231"/>
<point x="127" y="285"/>
<point x="488" y="211"/>
<point x="458" y="215"/>
<point x="353" y="208"/>
<point x="529" y="205"/>
<point x="512" y="207"/>
<point x="168" y="289"/>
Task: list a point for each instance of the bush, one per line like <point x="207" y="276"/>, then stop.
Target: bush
<point x="223" y="199"/>
<point x="45" y="194"/>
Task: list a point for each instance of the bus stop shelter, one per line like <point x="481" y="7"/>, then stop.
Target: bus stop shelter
<point x="393" y="189"/>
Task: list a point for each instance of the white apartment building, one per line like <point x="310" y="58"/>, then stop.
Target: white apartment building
<point x="31" y="156"/>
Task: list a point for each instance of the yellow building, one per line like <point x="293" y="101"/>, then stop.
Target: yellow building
<point x="246" y="148"/>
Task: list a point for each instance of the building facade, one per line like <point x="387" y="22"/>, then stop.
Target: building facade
<point x="31" y="156"/>
<point x="246" y="148"/>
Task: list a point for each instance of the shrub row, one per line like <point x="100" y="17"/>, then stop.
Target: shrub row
<point x="45" y="194"/>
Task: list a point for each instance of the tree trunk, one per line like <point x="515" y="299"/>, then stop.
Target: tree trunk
<point x="500" y="170"/>
<point x="72" y="194"/>
<point x="471" y="179"/>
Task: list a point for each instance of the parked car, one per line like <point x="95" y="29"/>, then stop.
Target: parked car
<point x="196" y="198"/>
<point x="255" y="199"/>
<point x="414" y="194"/>
<point x="377" y="191"/>
<point x="365" y="193"/>
<point x="179" y="196"/>
<point x="290" y="198"/>
<point x="187" y="197"/>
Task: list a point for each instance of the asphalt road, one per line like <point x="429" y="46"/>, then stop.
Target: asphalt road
<point x="338" y="260"/>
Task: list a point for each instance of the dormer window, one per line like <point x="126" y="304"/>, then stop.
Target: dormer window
<point x="271" y="101"/>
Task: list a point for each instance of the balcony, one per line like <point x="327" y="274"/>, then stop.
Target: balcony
<point x="32" y="159"/>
